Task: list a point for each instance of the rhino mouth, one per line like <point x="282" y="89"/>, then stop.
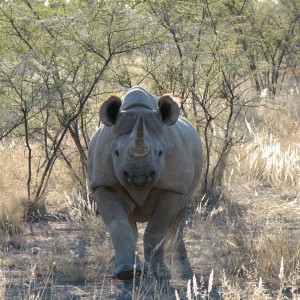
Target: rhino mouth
<point x="139" y="180"/>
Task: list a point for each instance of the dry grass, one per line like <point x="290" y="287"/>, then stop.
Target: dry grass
<point x="272" y="161"/>
<point x="259" y="226"/>
<point x="273" y="153"/>
<point x="254" y="253"/>
<point x="12" y="194"/>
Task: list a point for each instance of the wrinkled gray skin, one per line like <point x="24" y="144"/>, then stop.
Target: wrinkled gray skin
<point x="144" y="164"/>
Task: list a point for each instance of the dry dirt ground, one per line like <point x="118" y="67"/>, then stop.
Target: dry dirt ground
<point x="243" y="241"/>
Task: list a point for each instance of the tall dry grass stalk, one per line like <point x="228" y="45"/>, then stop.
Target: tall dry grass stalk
<point x="80" y="207"/>
<point x="3" y="283"/>
<point x="14" y="203"/>
<point x="12" y="191"/>
<point x="269" y="159"/>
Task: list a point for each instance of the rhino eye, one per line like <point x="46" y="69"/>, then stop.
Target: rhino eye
<point x="117" y="153"/>
<point x="160" y="153"/>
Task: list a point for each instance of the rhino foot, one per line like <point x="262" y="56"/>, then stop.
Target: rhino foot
<point x="183" y="268"/>
<point x="159" y="271"/>
<point x="126" y="271"/>
<point x="162" y="274"/>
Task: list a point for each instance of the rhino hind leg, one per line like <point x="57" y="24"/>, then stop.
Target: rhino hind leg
<point x="177" y="253"/>
<point x="154" y="256"/>
<point x="181" y="261"/>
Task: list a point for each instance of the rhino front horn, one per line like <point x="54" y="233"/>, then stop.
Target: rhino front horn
<point x="139" y="146"/>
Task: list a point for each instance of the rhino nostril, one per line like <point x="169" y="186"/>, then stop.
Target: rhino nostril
<point x="151" y="176"/>
<point x="127" y="177"/>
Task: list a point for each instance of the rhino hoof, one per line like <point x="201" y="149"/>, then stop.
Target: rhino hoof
<point x="126" y="271"/>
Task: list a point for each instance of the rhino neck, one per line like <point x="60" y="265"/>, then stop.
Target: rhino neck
<point x="139" y="196"/>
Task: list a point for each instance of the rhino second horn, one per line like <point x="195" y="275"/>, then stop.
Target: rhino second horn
<point x="139" y="145"/>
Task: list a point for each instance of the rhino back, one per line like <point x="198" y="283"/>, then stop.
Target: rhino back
<point x="139" y="97"/>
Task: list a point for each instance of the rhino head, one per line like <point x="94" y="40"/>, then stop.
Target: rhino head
<point x="138" y="145"/>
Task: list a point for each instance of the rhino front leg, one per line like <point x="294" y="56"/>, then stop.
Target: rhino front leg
<point x="115" y="217"/>
<point x="165" y="213"/>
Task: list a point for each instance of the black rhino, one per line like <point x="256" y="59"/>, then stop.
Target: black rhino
<point x="144" y="164"/>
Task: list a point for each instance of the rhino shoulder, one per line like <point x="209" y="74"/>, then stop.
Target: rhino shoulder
<point x="100" y="167"/>
<point x="183" y="158"/>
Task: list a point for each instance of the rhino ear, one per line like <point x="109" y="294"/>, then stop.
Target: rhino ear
<point x="109" y="110"/>
<point x="169" y="110"/>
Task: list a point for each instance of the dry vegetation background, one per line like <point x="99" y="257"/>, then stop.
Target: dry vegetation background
<point x="239" y="87"/>
<point x="250" y="240"/>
